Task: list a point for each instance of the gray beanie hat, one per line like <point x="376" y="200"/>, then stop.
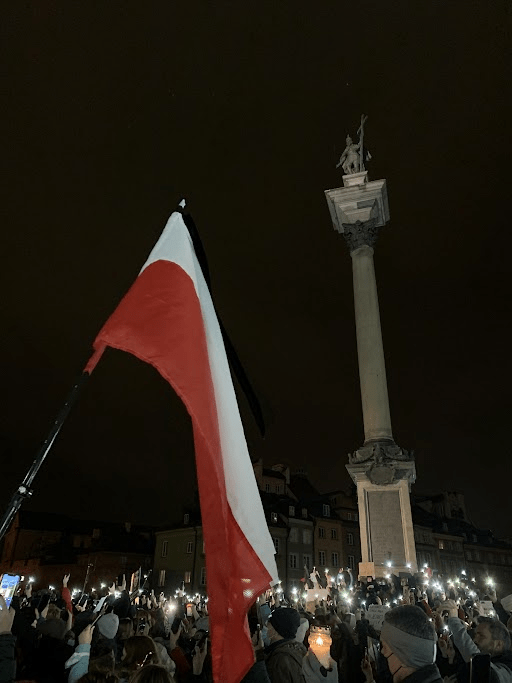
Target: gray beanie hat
<point x="108" y="625"/>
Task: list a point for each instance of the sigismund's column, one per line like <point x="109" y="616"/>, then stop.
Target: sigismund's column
<point x="382" y="471"/>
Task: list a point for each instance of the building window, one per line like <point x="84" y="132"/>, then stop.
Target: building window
<point x="350" y="538"/>
<point x="187" y="577"/>
<point x="326" y="510"/>
<point x="124" y="560"/>
<point x="291" y="510"/>
<point x="335" y="559"/>
<point x="441" y="545"/>
<point x="306" y="536"/>
<point x="351" y="562"/>
<point x="294" y="535"/>
<point x="469" y="555"/>
<point x="273" y="517"/>
<point x="348" y="515"/>
<point x="164" y="551"/>
<point x="267" y="488"/>
<point x="96" y="533"/>
<point x="203" y="576"/>
<point x="355" y="517"/>
<point x="304" y="513"/>
<point x="477" y="555"/>
<point x="475" y="540"/>
<point x="491" y="558"/>
<point x="294" y="560"/>
<point x="190" y="547"/>
<point x="428" y="559"/>
<point x="334" y="534"/>
<point x="161" y="578"/>
<point x="449" y="545"/>
<point x="276" y="544"/>
<point x="186" y="518"/>
<point x="279" y="488"/>
<point x="321" y="558"/>
<point x="306" y="561"/>
<point x="321" y="532"/>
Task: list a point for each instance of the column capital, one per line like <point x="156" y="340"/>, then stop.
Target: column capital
<point x="361" y="234"/>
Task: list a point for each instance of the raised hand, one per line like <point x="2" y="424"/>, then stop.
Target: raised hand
<point x="65" y="580"/>
<point x="85" y="636"/>
<point x="6" y="616"/>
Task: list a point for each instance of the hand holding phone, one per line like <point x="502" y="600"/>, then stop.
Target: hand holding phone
<point x="8" y="587"/>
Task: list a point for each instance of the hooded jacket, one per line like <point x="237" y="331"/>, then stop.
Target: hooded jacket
<point x="284" y="661"/>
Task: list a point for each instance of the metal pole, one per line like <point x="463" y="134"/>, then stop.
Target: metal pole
<point x="24" y="491"/>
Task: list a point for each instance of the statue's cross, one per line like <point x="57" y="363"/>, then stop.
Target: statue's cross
<point x="360" y="132"/>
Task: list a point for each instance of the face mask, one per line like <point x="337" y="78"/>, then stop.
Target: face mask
<point x="383" y="672"/>
<point x="391" y="673"/>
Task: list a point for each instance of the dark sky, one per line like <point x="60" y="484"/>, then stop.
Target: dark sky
<point x="117" y="110"/>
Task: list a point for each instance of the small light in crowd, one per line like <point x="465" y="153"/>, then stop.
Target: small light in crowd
<point x="52" y="588"/>
<point x="294" y="590"/>
<point x="31" y="579"/>
<point x="316" y="595"/>
<point x="93" y="590"/>
<point x="473" y="580"/>
<point x="117" y="594"/>
<point x="363" y="602"/>
<point x="463" y="571"/>
<point x="172" y="608"/>
<point x="425" y="565"/>
<point x="408" y="565"/>
<point x="305" y="595"/>
<point x="389" y="563"/>
<point x="446" y="628"/>
<point x="489" y="581"/>
<point x="388" y="576"/>
<point x="140" y="591"/>
<point x="103" y="585"/>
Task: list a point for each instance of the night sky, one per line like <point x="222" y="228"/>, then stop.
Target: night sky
<point x="117" y="110"/>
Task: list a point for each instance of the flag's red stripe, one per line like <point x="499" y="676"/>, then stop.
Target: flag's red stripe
<point x="160" y="321"/>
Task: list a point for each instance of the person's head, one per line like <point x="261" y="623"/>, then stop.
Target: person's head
<point x="54" y="612"/>
<point x="139" y="651"/>
<point x="408" y="641"/>
<point x="152" y="673"/>
<point x="491" y="636"/>
<point x="283" y="624"/>
<point x="125" y="629"/>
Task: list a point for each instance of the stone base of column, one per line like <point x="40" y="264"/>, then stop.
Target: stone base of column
<point x="383" y="482"/>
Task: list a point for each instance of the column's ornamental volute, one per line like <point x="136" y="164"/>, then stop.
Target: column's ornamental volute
<point x="360" y="234"/>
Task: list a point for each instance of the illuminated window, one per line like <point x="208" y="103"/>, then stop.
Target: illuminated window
<point x="276" y="544"/>
<point x="273" y="517"/>
<point x="321" y="558"/>
<point x="441" y="545"/>
<point x="164" y="549"/>
<point x="326" y="510"/>
<point x="190" y="547"/>
<point x="203" y="576"/>
<point x="161" y="578"/>
<point x="186" y="577"/>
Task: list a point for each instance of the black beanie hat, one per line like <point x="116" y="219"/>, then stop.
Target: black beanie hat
<point x="285" y="621"/>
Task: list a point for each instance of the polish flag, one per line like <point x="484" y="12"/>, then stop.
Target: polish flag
<point x="167" y="319"/>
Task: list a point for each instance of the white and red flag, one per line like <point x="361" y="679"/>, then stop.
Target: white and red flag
<point x="167" y="319"/>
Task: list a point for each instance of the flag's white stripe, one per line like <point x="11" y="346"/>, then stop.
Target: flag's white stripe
<point x="175" y="245"/>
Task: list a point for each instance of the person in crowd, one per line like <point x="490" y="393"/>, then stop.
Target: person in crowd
<point x="138" y="651"/>
<point x="408" y="644"/>
<point x="284" y="654"/>
<point x="491" y="637"/>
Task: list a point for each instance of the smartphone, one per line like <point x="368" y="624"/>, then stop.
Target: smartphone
<point x="480" y="669"/>
<point x="189" y="610"/>
<point x="8" y="587"/>
<point x="176" y="624"/>
<point x="83" y="600"/>
<point x="43" y="602"/>
<point x="202" y="640"/>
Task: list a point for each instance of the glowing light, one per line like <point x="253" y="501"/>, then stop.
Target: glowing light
<point x="294" y="591"/>
<point x="408" y="565"/>
<point x="31" y="579"/>
<point x="389" y="563"/>
<point x="52" y="588"/>
<point x="388" y="576"/>
<point x="103" y="585"/>
<point x="319" y="640"/>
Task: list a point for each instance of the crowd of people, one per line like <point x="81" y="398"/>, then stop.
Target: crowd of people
<point x="330" y="630"/>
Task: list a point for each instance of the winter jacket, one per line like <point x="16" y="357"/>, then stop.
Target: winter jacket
<point x="284" y="661"/>
<point x="7" y="661"/>
<point x="427" y="674"/>
<point x="79" y="662"/>
<point x="501" y="665"/>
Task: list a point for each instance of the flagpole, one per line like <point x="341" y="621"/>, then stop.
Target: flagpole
<point x="24" y="490"/>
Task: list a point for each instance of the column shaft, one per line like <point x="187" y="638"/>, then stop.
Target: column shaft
<point x="370" y="351"/>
